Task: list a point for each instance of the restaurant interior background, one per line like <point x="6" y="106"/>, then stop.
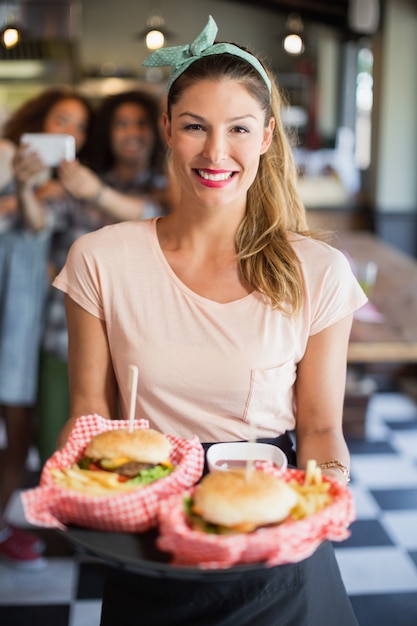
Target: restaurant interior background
<point x="353" y="105"/>
<point x="351" y="92"/>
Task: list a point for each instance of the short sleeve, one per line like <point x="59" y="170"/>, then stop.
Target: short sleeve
<point x="332" y="291"/>
<point x="80" y="277"/>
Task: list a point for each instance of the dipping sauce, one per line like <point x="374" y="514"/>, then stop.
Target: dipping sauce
<point x="240" y="454"/>
<point x="229" y="463"/>
<point x="235" y="463"/>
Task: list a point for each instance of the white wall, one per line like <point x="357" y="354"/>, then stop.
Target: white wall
<point x="396" y="173"/>
<point x="328" y="70"/>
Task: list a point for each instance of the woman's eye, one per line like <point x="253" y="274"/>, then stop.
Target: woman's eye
<point x="193" y="127"/>
<point x="240" y="129"/>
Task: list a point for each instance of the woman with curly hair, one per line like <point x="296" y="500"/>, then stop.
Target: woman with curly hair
<point x="24" y="285"/>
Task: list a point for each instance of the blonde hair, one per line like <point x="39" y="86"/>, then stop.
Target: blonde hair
<point x="266" y="258"/>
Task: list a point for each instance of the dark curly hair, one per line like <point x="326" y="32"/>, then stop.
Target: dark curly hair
<point x="100" y="154"/>
<point x="30" y="116"/>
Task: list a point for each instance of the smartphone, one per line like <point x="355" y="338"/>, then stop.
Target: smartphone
<point x="51" y="147"/>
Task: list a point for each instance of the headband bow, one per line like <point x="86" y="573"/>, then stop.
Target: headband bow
<point x="181" y="57"/>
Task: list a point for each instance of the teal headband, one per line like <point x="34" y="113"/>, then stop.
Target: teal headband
<point x="181" y="57"/>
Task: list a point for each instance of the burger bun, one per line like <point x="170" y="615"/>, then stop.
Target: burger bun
<point x="141" y="445"/>
<point x="234" y="498"/>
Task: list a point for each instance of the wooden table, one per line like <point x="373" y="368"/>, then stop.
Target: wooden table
<point x="391" y="342"/>
<point x="394" y="340"/>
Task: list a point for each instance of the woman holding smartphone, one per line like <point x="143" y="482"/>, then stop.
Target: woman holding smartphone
<point x="24" y="285"/>
<point x="47" y="209"/>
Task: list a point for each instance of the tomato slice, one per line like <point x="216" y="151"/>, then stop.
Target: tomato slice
<point x="94" y="468"/>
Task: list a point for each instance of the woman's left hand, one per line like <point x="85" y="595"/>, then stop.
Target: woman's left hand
<point x="79" y="180"/>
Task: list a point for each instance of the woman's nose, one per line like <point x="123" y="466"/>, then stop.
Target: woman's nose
<point x="214" y="147"/>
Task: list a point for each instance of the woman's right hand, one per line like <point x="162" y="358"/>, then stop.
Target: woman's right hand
<point x="30" y="173"/>
<point x="29" y="169"/>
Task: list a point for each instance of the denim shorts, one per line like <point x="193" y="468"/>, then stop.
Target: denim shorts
<point x="23" y="290"/>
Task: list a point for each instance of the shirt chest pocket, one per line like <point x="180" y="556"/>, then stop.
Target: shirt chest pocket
<point x="270" y="399"/>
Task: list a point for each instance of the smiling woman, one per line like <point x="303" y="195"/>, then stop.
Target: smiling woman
<point x="218" y="148"/>
<point x="229" y="310"/>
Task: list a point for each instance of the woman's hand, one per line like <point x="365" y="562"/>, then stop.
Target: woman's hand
<point x="30" y="173"/>
<point x="83" y="183"/>
<point x="79" y="180"/>
<point x="7" y="152"/>
<point x="8" y="206"/>
<point x="28" y="168"/>
<point x="336" y="474"/>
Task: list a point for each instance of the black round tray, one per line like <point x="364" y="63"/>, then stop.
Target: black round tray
<point x="139" y="553"/>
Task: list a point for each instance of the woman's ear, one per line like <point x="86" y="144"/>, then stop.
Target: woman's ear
<point x="268" y="134"/>
<point x="167" y="129"/>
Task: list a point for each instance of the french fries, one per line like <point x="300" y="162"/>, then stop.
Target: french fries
<point x="94" y="483"/>
<point x="313" y="494"/>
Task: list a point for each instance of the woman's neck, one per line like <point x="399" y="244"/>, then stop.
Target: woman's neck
<point x="202" y="255"/>
<point x="208" y="229"/>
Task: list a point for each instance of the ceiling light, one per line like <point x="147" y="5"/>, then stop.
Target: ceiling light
<point x="155" y="34"/>
<point x="293" y="44"/>
<point x="155" y="39"/>
<point x="10" y="37"/>
<point x="11" y="34"/>
<point x="293" y="41"/>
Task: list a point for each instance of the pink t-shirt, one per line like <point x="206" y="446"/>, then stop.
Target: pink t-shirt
<point x="205" y="368"/>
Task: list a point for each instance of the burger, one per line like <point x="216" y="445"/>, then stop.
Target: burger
<point x="237" y="501"/>
<point x="119" y="460"/>
<point x="141" y="456"/>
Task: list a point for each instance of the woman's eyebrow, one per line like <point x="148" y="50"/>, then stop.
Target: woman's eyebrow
<point x="202" y="119"/>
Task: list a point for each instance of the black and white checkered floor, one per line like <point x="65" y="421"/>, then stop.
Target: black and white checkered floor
<point x="378" y="562"/>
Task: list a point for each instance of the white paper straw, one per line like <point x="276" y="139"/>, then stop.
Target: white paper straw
<point x="133" y="388"/>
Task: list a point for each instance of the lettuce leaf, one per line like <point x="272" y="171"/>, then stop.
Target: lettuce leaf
<point x="197" y="522"/>
<point x="147" y="476"/>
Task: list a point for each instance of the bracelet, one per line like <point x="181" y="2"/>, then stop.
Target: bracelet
<point x="337" y="465"/>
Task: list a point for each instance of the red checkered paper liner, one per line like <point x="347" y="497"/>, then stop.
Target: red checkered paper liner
<point x="289" y="542"/>
<point x="53" y="506"/>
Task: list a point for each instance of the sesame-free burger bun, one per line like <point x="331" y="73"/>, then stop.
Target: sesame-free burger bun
<point x="233" y="499"/>
<point x="142" y="445"/>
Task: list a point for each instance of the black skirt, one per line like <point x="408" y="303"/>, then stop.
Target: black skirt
<point x="308" y="593"/>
